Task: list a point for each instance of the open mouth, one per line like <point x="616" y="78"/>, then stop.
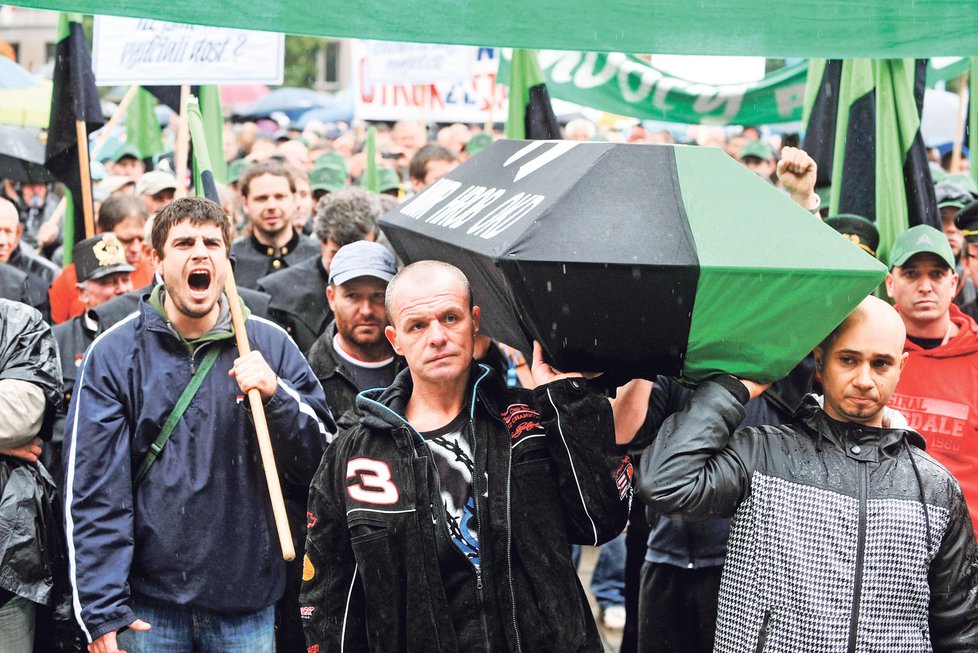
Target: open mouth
<point x="199" y="281"/>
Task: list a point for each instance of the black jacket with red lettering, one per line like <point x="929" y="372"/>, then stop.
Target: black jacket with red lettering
<point x="381" y="571"/>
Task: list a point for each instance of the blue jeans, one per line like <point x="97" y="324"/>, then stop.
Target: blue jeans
<point x="180" y="629"/>
<point x="608" y="580"/>
<point x="17" y="626"/>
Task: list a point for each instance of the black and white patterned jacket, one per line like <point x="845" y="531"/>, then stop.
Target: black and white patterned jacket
<point x="831" y="548"/>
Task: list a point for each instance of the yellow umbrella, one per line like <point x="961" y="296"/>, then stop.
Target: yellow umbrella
<point x="28" y="107"/>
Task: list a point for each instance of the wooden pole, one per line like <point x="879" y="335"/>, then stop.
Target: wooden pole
<point x="959" y="124"/>
<point x="81" y="131"/>
<point x="261" y="426"/>
<point x="182" y="148"/>
<point x="113" y="121"/>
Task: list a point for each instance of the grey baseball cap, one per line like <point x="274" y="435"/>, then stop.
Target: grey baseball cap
<point x="362" y="258"/>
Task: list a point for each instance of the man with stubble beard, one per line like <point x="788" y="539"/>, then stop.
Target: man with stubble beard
<point x="184" y="541"/>
<point x="268" y="199"/>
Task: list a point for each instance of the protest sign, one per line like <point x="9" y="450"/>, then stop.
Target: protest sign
<point x="450" y="83"/>
<point x="137" y="51"/>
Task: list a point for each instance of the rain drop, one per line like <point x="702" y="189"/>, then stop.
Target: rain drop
<point x="549" y="287"/>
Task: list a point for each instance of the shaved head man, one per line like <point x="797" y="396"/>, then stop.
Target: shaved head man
<point x="845" y="534"/>
<point x="442" y="462"/>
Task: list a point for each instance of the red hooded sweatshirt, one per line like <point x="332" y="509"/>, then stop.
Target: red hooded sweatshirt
<point x="938" y="394"/>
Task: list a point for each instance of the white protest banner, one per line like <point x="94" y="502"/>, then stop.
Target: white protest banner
<point x="463" y="89"/>
<point x="389" y="62"/>
<point x="138" y="51"/>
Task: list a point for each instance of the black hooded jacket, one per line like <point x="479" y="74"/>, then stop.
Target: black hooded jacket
<point x="381" y="572"/>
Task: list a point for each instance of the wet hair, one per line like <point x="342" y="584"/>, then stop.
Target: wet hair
<point x="196" y="210"/>
<point x="419" y="162"/>
<point x="118" y="208"/>
<point x="422" y="273"/>
<point x="270" y="167"/>
<point x="347" y="216"/>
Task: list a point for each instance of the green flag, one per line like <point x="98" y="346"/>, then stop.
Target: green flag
<point x="973" y="117"/>
<point x="142" y="126"/>
<point x="212" y="115"/>
<point x="530" y="113"/>
<point x="74" y="98"/>
<point x="204" y="185"/>
<point x="370" y="179"/>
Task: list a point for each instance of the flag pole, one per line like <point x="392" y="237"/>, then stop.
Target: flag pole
<point x="182" y="147"/>
<point x="261" y="427"/>
<point x="959" y="124"/>
<point x="114" y="121"/>
<point x="86" y="178"/>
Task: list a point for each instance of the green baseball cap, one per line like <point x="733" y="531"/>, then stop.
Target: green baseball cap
<point x="922" y="239"/>
<point x="387" y="179"/>
<point x="334" y="158"/>
<point x="756" y="149"/>
<point x="478" y="142"/>
<point x="236" y="170"/>
<point x="124" y="151"/>
<point x="328" y="177"/>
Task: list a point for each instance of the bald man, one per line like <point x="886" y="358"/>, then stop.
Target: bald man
<point x="441" y="521"/>
<point x="845" y="534"/>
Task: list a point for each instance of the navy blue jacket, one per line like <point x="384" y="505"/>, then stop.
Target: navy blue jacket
<point x="198" y="531"/>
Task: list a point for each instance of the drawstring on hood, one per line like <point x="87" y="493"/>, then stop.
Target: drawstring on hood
<point x="923" y="498"/>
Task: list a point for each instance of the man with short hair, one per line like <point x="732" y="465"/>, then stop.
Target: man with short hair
<point x="298" y="293"/>
<point x="441" y="522"/>
<point x="353" y="353"/>
<point x="184" y="541"/>
<point x="845" y="534"/>
<point x="938" y="391"/>
<point x="268" y="199"/>
<point x="39" y="271"/>
<point x="431" y="163"/>
<point x="304" y="204"/>
<point x="103" y="273"/>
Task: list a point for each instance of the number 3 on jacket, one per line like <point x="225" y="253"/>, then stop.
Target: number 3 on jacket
<point x="373" y="482"/>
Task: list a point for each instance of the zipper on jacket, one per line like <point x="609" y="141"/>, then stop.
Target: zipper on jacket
<point x="509" y="550"/>
<point x="762" y="635"/>
<point x="860" y="556"/>
<point x="476" y="476"/>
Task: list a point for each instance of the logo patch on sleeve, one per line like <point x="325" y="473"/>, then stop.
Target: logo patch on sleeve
<point x="623" y="478"/>
<point x="310" y="520"/>
<point x="520" y="420"/>
<point x="313" y="649"/>
<point x="305" y="611"/>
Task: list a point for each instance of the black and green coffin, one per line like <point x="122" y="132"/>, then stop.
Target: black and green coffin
<point x="637" y="259"/>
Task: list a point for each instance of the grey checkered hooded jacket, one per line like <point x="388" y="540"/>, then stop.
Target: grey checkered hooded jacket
<point x="844" y="537"/>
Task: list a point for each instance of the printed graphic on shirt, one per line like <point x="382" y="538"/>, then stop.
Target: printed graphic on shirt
<point x="940" y="421"/>
<point x="520" y="420"/>
<point x="456" y="465"/>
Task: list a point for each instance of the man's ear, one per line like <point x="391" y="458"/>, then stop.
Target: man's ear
<point x="903" y="360"/>
<point x="819" y="356"/>
<point x="391" y="334"/>
<point x="889" y="283"/>
<point x="476" y="318"/>
<point x="157" y="262"/>
<point x="331" y="297"/>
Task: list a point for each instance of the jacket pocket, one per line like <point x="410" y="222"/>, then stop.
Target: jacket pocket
<point x="370" y="538"/>
<point x="762" y="633"/>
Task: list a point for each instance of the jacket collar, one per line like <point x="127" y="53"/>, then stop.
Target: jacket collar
<point x="846" y="434"/>
<point x="384" y="408"/>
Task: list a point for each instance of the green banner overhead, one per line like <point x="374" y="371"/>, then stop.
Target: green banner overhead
<point x="801" y="28"/>
<point x="626" y="85"/>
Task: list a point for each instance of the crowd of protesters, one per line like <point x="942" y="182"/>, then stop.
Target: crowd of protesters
<point x="435" y="479"/>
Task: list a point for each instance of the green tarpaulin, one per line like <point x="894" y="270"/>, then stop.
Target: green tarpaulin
<point x="801" y="28"/>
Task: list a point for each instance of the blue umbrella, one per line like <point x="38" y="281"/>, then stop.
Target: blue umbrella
<point x="12" y="75"/>
<point x="293" y="102"/>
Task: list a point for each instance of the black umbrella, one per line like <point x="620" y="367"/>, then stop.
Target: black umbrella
<point x="637" y="259"/>
<point x="22" y="156"/>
